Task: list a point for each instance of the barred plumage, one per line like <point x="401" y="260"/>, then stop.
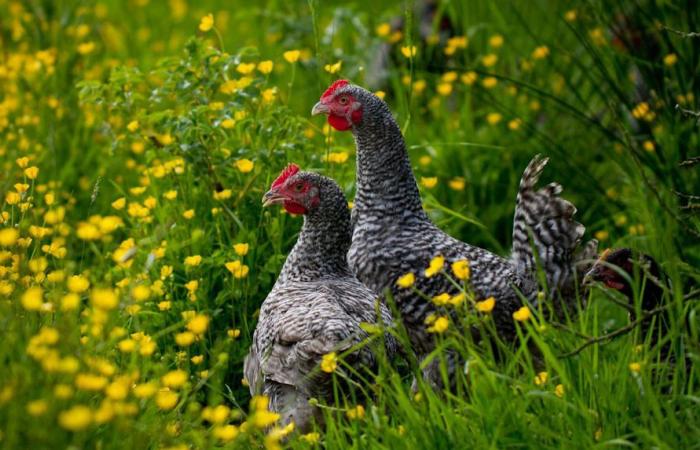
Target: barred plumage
<point x="392" y="234"/>
<point x="315" y="307"/>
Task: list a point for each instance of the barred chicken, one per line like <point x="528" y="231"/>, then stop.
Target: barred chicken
<point x="316" y="306"/>
<point x="393" y="235"/>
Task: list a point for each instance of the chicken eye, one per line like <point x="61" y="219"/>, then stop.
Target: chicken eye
<point x="343" y="100"/>
<point x="298" y="187"/>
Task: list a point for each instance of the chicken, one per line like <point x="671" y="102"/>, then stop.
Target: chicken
<point x="316" y="306"/>
<point x="392" y="234"/>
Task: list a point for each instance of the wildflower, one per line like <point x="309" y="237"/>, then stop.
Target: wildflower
<point x="440" y="325"/>
<point x="225" y="433"/>
<point x="428" y="182"/>
<point x="22" y="162"/>
<point x="670" y="59"/>
<point x="291" y="56"/>
<point x="469" y="78"/>
<point x="648" y="146"/>
<point x="207" y="23"/>
<point x="442" y="299"/>
<point x="170" y="195"/>
<point x="457" y="184"/>
<point x="493" y="118"/>
<point x="522" y="314"/>
<point x="358" y="412"/>
<point x="198" y="324"/>
<point x="33" y="298"/>
<point x="145" y="390"/>
<point x="635" y="367"/>
<point x="86" y="48"/>
<point x="311" y="438"/>
<point x="601" y="235"/>
<point x="540" y="52"/>
<point x="237" y="269"/>
<point x="245" y="68"/>
<point x="486" y="306"/>
<point x="435" y="266"/>
<point x="489" y="82"/>
<point x="570" y="15"/>
<point x="105" y="299"/>
<point x="8" y="237"/>
<point x="265" y="67"/>
<point x="90" y="382"/>
<point x="541" y="378"/>
<point x="75" y="419"/>
<point x="141" y="293"/>
<point x="496" y="41"/>
<point x="489" y="60"/>
<point x="78" y="284"/>
<point x="174" y="378"/>
<point x="126" y="345"/>
<point x="241" y="249"/>
<point x="559" y="390"/>
<point x="383" y="29"/>
<point x="164" y="305"/>
<point x="408" y="51"/>
<point x="166" y="399"/>
<point x="37" y="408"/>
<point x="184" y="339"/>
<point x="193" y="261"/>
<point x="514" y="124"/>
<point x="329" y="362"/>
<point x="69" y="302"/>
<point x="31" y="172"/>
<point x="119" y="203"/>
<point x="233" y="333"/>
<point x="337" y="157"/>
<point x="189" y="214"/>
<point x="444" y="89"/>
<point x="244" y="165"/>
<point x="333" y="68"/>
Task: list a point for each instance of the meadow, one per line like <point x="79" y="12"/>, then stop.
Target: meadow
<point x="138" y="137"/>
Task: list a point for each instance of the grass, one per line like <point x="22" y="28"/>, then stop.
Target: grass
<point x="124" y="100"/>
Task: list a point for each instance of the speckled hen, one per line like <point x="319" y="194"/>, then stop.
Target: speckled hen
<point x="315" y="307"/>
<point x="392" y="234"/>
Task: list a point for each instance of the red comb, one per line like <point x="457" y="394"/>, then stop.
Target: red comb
<point x="288" y="171"/>
<point x="337" y="84"/>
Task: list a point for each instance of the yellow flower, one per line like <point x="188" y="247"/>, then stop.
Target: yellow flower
<point x="193" y="261"/>
<point x="244" y="165"/>
<point x="496" y="41"/>
<point x="12" y="198"/>
<point x="493" y="118"/>
<point x="408" y="52"/>
<point x="37" y="407"/>
<point x="337" y="157"/>
<point x="77" y="418"/>
<point x="358" y="412"/>
<point x="188" y="214"/>
<point x="311" y="438"/>
<point x="170" y="195"/>
<point x="185" y="338"/>
<point x="228" y="123"/>
<point x="440" y="325"/>
<point x="198" y="324"/>
<point x="444" y="89"/>
<point x="442" y="299"/>
<point x="22" y="162"/>
<point x="435" y="266"/>
<point x="428" y="182"/>
<point x="457" y="184"/>
<point x="8" y="237"/>
<point x="635" y="367"/>
<point x="670" y="59"/>
<point x="207" y="23"/>
<point x="233" y="333"/>
<point x="406" y="281"/>
<point x="166" y="399"/>
<point x="559" y="390"/>
<point x="383" y="29"/>
<point x="541" y="378"/>
<point x="648" y="146"/>
<point x="133" y="126"/>
<point x="333" y="68"/>
<point x="86" y="48"/>
<point x="469" y="78"/>
<point x="460" y="268"/>
<point x="266" y="67"/>
<point x="522" y="314"/>
<point x="329" y="362"/>
<point x="33" y="298"/>
<point x="31" y="172"/>
<point x="105" y="299"/>
<point x="486" y="306"/>
<point x="514" y="124"/>
<point x="145" y="390"/>
<point x="489" y="82"/>
<point x="601" y="235"/>
<point x="245" y="68"/>
<point x="69" y="302"/>
<point x="570" y="15"/>
<point x="540" y="52"/>
<point x="238" y="269"/>
<point x="241" y="248"/>
<point x="78" y="284"/>
<point x="489" y="60"/>
<point x="225" y="433"/>
<point x="291" y="56"/>
<point x="174" y="378"/>
<point x="119" y="203"/>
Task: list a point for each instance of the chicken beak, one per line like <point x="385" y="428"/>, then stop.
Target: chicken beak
<point x="320" y="108"/>
<point x="273" y="197"/>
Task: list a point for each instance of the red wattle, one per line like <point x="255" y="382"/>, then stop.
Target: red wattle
<point x="294" y="208"/>
<point x="339" y="123"/>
